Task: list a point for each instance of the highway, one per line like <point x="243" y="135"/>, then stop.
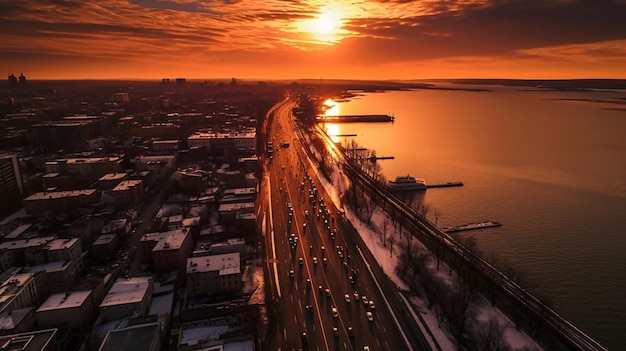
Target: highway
<point x="317" y="265"/>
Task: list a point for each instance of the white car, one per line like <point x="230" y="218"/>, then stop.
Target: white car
<point x="314" y="259"/>
<point x="346" y="297"/>
<point x="372" y="304"/>
<point x="370" y="316"/>
<point x="335" y="312"/>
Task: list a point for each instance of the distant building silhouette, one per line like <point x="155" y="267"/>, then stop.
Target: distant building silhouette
<point x="166" y="80"/>
<point x="13" y="84"/>
<point x="181" y="81"/>
<point x="22" y="80"/>
<point x="233" y="81"/>
<point x="11" y="188"/>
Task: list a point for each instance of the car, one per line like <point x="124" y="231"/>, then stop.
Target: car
<point x="301" y="260"/>
<point x="356" y="296"/>
<point x="320" y="289"/>
<point x="364" y="298"/>
<point x="314" y="259"/>
<point x="366" y="348"/>
<point x="311" y="248"/>
<point x="350" y="332"/>
<point x="335" y="312"/>
<point x="370" y="316"/>
<point x="327" y="292"/>
<point x="309" y="308"/>
<point x="308" y="282"/>
<point x="291" y="273"/>
<point x="289" y="204"/>
<point x="306" y="213"/>
<point x="372" y="306"/>
<point x="324" y="260"/>
<point x="304" y="337"/>
<point x="323" y="248"/>
<point x="351" y="279"/>
<point x="335" y="331"/>
<point x="346" y="297"/>
<point x="340" y="254"/>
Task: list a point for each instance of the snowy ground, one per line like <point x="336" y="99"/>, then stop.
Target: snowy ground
<point x="388" y="258"/>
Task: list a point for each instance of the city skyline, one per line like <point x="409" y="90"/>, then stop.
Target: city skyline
<point x="146" y="39"/>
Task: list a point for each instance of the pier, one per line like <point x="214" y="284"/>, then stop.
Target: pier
<point x="376" y="158"/>
<point x="471" y="226"/>
<point x="444" y="185"/>
<point x="355" y="118"/>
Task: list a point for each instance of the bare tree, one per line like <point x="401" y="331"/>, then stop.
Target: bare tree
<point x="459" y="311"/>
<point x="392" y="239"/>
<point x="489" y="336"/>
<point x="385" y="229"/>
<point x="437" y="214"/>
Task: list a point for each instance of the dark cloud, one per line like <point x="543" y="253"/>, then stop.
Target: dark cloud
<point x="500" y="28"/>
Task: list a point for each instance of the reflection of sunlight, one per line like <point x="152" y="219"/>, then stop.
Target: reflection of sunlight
<point x="332" y="108"/>
<point x="333" y="130"/>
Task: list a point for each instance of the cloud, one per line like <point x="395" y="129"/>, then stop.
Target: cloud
<point x="265" y="33"/>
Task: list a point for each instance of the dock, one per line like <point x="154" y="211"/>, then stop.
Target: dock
<point x="471" y="226"/>
<point x="355" y="118"/>
<point x="444" y="185"/>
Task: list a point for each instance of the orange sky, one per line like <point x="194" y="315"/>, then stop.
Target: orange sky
<point x="290" y="39"/>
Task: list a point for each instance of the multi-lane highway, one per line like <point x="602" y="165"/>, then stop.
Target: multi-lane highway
<point x="327" y="297"/>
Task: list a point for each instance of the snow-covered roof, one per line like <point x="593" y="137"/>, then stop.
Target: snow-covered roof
<point x="130" y="290"/>
<point x="70" y="299"/>
<point x="226" y="264"/>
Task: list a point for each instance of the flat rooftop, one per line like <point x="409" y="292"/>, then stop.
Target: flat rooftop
<point x="70" y="299"/>
<point x="124" y="291"/>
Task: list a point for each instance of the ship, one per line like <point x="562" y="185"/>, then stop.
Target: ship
<point x="407" y="183"/>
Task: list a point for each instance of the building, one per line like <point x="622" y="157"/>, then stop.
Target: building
<point x="144" y="337"/>
<point x="111" y="180"/>
<point x="128" y="193"/>
<point x="11" y="188"/>
<point x="62" y="273"/>
<point x="212" y="140"/>
<point x="17" y="321"/>
<point x="165" y="146"/>
<point x="68" y="200"/>
<point x="38" y="340"/>
<point x="172" y="250"/>
<point x="28" y="251"/>
<point x="104" y="246"/>
<point x="69" y="132"/>
<point x="214" y="274"/>
<point x="85" y="168"/>
<point x="228" y="212"/>
<point x="7" y="260"/>
<point x="66" y="250"/>
<point x="127" y="297"/>
<point x="73" y="309"/>
<point x="19" y="291"/>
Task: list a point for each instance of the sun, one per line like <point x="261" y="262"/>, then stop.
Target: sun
<point x="327" y="24"/>
<point x="324" y="28"/>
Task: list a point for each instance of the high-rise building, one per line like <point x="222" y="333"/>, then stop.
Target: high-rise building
<point x="13" y="84"/>
<point x="22" y="80"/>
<point x="11" y="189"/>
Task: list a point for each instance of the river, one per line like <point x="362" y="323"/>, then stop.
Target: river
<point x="550" y="166"/>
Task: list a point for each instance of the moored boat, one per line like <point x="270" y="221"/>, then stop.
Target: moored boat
<point x="407" y="183"/>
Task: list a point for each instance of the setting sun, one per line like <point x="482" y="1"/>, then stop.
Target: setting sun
<point x="326" y="27"/>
